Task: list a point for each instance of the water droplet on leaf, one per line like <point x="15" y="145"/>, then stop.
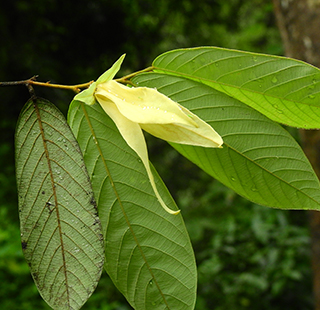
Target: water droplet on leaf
<point x="274" y="80"/>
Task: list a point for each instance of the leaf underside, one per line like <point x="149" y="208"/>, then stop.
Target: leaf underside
<point x="259" y="160"/>
<point x="60" y="230"/>
<point x="285" y="90"/>
<point x="149" y="256"/>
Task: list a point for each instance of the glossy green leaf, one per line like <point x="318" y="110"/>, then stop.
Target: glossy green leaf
<point x="149" y="256"/>
<point x="60" y="230"/>
<point x="259" y="159"/>
<point x="285" y="90"/>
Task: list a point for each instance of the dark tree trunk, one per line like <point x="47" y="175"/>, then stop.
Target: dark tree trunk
<point x="299" y="25"/>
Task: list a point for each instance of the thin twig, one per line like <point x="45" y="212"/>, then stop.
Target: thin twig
<point x="76" y="88"/>
<point x="32" y="81"/>
<point x="125" y="79"/>
<point x="15" y="83"/>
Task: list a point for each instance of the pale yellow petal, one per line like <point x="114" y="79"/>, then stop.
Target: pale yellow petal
<point x="144" y="105"/>
<point x="202" y="135"/>
<point x="133" y="135"/>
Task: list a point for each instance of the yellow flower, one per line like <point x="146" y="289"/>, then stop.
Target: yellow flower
<point x="134" y="109"/>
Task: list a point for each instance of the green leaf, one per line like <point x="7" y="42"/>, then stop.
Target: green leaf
<point x="285" y="90"/>
<point x="259" y="159"/>
<point x="60" y="230"/>
<point x="149" y="256"/>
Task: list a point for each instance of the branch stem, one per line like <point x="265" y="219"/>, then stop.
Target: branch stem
<point x="76" y="88"/>
<point x="31" y="81"/>
<point x="125" y="79"/>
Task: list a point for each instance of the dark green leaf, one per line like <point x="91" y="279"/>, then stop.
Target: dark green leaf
<point x="60" y="230"/>
<point x="259" y="159"/>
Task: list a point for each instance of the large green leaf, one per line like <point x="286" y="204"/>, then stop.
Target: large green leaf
<point x="60" y="230"/>
<point x="285" y="90"/>
<point x="259" y="159"/>
<point x="149" y="256"/>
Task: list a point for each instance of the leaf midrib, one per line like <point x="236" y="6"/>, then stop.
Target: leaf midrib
<point x="56" y="208"/>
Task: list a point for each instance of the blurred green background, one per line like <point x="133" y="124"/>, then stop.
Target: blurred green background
<point x="248" y="256"/>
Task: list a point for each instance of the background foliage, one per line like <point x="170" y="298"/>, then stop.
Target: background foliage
<point x="249" y="257"/>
